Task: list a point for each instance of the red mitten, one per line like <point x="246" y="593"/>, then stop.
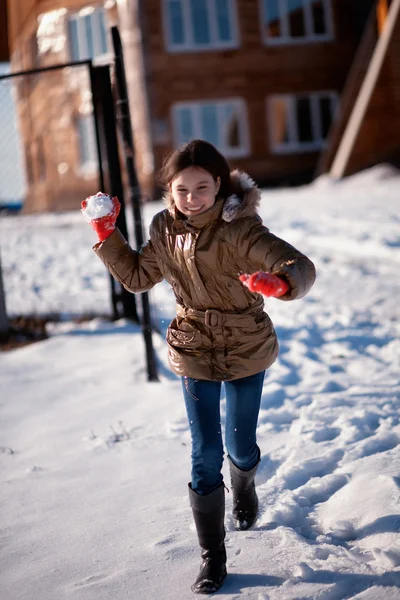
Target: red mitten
<point x="101" y="211"/>
<point x="265" y="284"/>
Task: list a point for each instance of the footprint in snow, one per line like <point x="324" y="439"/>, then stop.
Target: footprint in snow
<point x="177" y="428"/>
<point x="165" y="541"/>
<point x="298" y="474"/>
<point x="320" y="489"/>
<point x="392" y="556"/>
<point x="278" y="418"/>
<point x="337" y="369"/>
<point x="273" y="397"/>
<point x="374" y="445"/>
<point x="90" y="580"/>
<point x="327" y="434"/>
<point x="344" y="531"/>
<point x="331" y="387"/>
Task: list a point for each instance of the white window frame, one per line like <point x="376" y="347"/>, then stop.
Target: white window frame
<point x="189" y="44"/>
<point x="309" y="37"/>
<point x="293" y="145"/>
<point x="228" y="152"/>
<point x="94" y="12"/>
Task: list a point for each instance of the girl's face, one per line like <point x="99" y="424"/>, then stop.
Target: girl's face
<point x="194" y="191"/>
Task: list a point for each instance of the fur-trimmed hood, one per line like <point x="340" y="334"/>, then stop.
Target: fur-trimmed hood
<point x="243" y="202"/>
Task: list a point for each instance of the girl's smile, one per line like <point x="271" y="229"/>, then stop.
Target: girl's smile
<point x="194" y="191"/>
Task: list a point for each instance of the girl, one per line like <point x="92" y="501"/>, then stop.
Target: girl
<point x="209" y="233"/>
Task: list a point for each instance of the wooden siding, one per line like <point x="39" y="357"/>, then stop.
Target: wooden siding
<point x="350" y="92"/>
<point x="379" y="136"/>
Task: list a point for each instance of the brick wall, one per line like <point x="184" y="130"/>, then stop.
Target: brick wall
<point x="253" y="72"/>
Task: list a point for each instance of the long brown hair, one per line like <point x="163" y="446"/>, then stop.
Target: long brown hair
<point x="202" y="154"/>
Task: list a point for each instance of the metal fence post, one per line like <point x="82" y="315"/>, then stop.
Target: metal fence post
<point x="105" y="122"/>
<point x="124" y="118"/>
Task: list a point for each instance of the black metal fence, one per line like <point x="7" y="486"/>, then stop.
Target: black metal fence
<point x="60" y="145"/>
<point x="50" y="157"/>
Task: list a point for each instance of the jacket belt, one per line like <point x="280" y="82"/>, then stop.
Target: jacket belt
<point x="217" y="318"/>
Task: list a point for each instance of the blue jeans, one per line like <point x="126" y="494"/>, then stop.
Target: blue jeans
<point x="202" y="399"/>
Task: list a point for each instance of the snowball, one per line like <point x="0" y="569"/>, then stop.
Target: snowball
<point x="98" y="206"/>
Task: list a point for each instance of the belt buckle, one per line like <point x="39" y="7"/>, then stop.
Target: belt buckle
<point x="213" y="318"/>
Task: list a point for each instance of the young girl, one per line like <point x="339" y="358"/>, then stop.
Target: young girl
<point x="212" y="248"/>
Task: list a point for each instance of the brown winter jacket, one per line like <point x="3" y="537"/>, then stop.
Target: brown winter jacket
<point x="220" y="331"/>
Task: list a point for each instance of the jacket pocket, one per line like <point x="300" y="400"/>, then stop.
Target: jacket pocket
<point x="185" y="337"/>
<point x="259" y="326"/>
<point x="254" y="343"/>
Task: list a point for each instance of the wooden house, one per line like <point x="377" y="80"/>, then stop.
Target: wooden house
<point x="366" y="130"/>
<point x="264" y="80"/>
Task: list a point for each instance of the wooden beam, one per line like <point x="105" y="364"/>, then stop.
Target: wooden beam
<point x="382" y="10"/>
<point x="348" y="140"/>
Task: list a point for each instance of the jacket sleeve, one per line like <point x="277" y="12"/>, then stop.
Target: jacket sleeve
<point x="136" y="270"/>
<point x="265" y="251"/>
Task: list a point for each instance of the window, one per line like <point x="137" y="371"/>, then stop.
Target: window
<point x="221" y="122"/>
<point x="300" y="123"/>
<point x="296" y="21"/>
<point x="87" y="144"/>
<point x="87" y="34"/>
<point x="200" y="24"/>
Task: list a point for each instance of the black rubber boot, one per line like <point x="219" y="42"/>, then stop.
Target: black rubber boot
<point x="208" y="513"/>
<point x="245" y="501"/>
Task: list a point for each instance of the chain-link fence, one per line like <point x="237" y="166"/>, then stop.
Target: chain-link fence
<point x="12" y="172"/>
<point x="62" y="128"/>
<point x="48" y="155"/>
<point x="50" y="160"/>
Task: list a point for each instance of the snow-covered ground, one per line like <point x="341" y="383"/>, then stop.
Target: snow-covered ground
<point x="95" y="460"/>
